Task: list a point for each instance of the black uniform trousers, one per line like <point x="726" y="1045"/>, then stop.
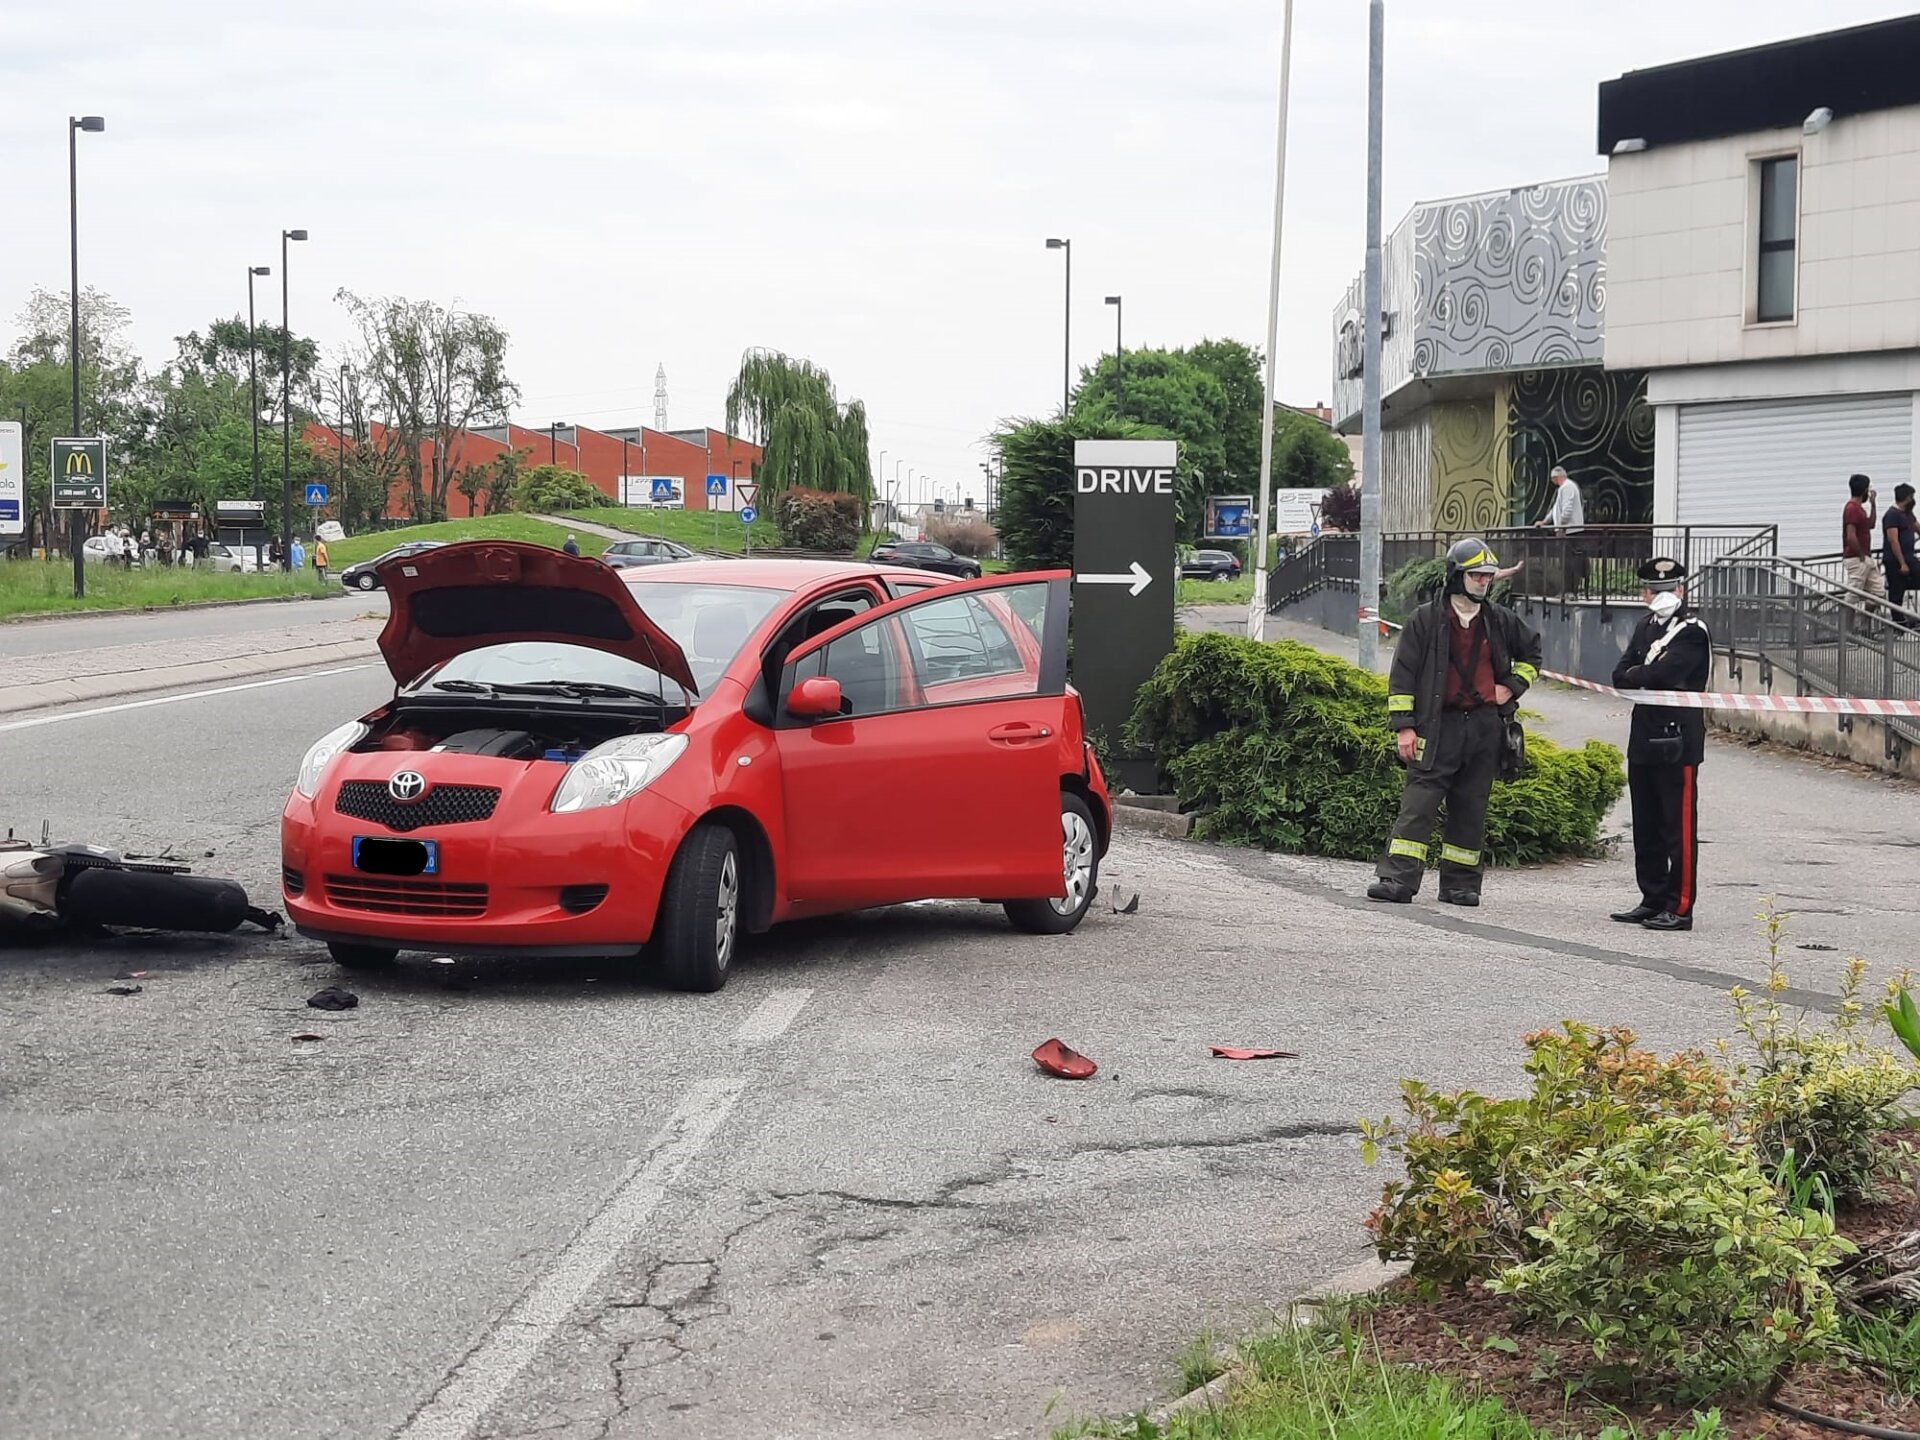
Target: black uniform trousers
<point x="1666" y="834"/>
<point x="1465" y="747"/>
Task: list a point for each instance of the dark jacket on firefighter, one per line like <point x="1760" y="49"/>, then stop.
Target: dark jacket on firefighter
<point x="1422" y="667"/>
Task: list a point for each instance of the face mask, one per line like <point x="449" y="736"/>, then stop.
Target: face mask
<point x="1664" y="604"/>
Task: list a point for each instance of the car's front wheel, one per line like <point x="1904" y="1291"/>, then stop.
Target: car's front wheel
<point x="361" y="957"/>
<point x="699" y="926"/>
<point x="1080" y="869"/>
<point x="365" y="582"/>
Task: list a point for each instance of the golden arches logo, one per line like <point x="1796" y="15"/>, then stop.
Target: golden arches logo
<point x="79" y="462"/>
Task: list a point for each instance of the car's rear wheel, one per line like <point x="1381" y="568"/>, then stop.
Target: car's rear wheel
<point x="365" y="582"/>
<point x="1080" y="868"/>
<point x="699" y="927"/>
<point x="361" y="957"/>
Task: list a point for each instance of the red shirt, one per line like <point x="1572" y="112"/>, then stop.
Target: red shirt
<point x="1856" y="531"/>
<point x="1460" y="638"/>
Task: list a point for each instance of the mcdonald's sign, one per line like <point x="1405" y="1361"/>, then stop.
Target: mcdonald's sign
<point x="80" y="474"/>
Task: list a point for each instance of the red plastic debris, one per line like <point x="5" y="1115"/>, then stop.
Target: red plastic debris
<point x="1056" y="1057"/>
<point x="1234" y="1052"/>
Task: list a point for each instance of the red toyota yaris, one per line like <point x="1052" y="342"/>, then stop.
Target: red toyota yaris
<point x="579" y="760"/>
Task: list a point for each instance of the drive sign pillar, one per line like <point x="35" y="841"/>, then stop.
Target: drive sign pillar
<point x="1123" y="584"/>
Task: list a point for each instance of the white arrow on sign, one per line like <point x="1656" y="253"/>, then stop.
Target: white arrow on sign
<point x="1137" y="578"/>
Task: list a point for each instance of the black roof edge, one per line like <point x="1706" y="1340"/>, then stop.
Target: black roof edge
<point x="1768" y="87"/>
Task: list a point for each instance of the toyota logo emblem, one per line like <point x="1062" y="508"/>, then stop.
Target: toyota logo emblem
<point x="407" y="787"/>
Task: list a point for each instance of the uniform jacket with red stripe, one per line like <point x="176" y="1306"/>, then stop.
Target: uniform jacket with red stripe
<point x="1674" y="654"/>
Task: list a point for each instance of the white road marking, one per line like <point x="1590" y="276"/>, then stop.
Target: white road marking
<point x="479" y="1382"/>
<point x="40" y="720"/>
<point x="772" y="1016"/>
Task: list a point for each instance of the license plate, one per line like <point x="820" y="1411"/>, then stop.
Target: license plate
<point x="378" y="855"/>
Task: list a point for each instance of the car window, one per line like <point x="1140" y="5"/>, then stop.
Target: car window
<point x="521" y="662"/>
<point x="710" y="623"/>
<point x="939" y="552"/>
<point x="962" y="639"/>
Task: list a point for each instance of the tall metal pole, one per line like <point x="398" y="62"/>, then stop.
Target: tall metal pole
<point x="1369" y="636"/>
<point x="286" y="417"/>
<point x="1119" y="356"/>
<point x="1066" y="361"/>
<point x="1257" y="614"/>
<point x="75" y="124"/>
<point x="253" y="372"/>
<point x="340" y="451"/>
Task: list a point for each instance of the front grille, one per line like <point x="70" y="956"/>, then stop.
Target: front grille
<point x="294" y="880"/>
<point x="442" y="805"/>
<point x="579" y="899"/>
<point x="384" y="896"/>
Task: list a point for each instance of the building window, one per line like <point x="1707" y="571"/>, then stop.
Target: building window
<point x="1779" y="214"/>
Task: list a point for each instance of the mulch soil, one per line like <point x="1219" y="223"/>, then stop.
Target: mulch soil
<point x="1446" y="1336"/>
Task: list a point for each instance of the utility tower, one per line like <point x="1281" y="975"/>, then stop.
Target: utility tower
<point x="660" y="398"/>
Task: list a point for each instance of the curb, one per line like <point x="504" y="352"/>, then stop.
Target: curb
<point x="1152" y="820"/>
<point x="114" y="612"/>
<point x="50" y="693"/>
<point x="1367" y="1276"/>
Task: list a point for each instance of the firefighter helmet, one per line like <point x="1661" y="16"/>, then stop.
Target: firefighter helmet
<point x="1472" y="555"/>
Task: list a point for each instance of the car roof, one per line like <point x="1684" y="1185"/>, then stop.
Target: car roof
<point x="791" y="576"/>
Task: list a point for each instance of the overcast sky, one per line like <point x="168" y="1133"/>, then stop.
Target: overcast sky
<point x="867" y="183"/>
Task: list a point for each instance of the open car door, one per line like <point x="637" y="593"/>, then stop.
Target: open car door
<point x="939" y="777"/>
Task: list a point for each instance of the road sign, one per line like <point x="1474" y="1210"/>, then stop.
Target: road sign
<point x="1229" y="517"/>
<point x="80" y="473"/>
<point x="716" y="484"/>
<point x="748" y="515"/>
<point x="1124" y="568"/>
<point x="239" y="514"/>
<point x="1293" y="511"/>
<point x="662" y="488"/>
<point x="13" y="478"/>
<point x="317" y="495"/>
<point x="749" y="493"/>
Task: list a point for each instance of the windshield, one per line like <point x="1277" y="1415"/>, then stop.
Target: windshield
<point x="708" y="622"/>
<point x="543" y="664"/>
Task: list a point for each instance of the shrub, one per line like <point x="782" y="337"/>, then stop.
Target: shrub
<point x="1670" y="1250"/>
<point x="1288" y="748"/>
<point x="965" y="533"/>
<point x="1340" y="508"/>
<point x="820" y="520"/>
<point x="1470" y="1204"/>
<point x="554" y="488"/>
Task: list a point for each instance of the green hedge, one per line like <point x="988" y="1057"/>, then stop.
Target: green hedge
<point x="1288" y="748"/>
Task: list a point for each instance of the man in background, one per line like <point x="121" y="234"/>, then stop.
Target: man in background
<point x="1856" y="537"/>
<point x="1901" y="555"/>
<point x="1568" y="517"/>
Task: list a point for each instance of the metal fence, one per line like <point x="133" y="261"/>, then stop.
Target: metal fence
<point x="1834" y="639"/>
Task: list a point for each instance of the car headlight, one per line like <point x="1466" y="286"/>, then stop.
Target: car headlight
<point x="610" y="773"/>
<point x="322" y="752"/>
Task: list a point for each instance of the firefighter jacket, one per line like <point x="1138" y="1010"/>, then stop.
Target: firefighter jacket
<point x="1675" y="654"/>
<point x="1422" y="667"/>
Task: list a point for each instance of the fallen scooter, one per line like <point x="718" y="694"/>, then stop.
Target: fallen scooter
<point x="47" y="887"/>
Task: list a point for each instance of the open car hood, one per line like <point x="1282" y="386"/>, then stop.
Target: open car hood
<point x="460" y="597"/>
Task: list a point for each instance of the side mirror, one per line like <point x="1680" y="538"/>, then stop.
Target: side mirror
<point x="816" y="698"/>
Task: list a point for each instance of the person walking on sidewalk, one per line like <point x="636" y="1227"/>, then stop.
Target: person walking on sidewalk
<point x="1568" y="517"/>
<point x="1901" y="554"/>
<point x="1459" y="671"/>
<point x="320" y="558"/>
<point x="1856" y="538"/>
<point x="1670" y="650"/>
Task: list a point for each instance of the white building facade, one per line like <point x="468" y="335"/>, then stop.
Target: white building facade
<point x="1763" y="268"/>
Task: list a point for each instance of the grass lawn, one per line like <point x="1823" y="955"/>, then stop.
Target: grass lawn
<point x="41" y="587"/>
<point x="695" y="529"/>
<point x="355" y="548"/>
<point x="1215" y="592"/>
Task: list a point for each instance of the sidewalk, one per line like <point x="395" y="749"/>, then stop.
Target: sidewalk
<point x="35" y="682"/>
<point x="1838" y="846"/>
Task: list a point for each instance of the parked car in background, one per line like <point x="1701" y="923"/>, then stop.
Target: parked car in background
<point x="364" y="576"/>
<point x="925" y="555"/>
<point x="232" y="559"/>
<point x="646" y="550"/>
<point x="1210" y="565"/>
<point x="100" y="547"/>
<point x="577" y="761"/>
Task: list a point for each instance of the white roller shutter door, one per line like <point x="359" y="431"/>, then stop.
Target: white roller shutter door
<point x="1786" y="462"/>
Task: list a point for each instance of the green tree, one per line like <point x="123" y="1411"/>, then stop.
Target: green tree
<point x="430" y="373"/>
<point x="810" y="440"/>
<point x="490" y="487"/>
<point x="1035" y="518"/>
<point x="1237" y="368"/>
<point x="554" y="489"/>
<point x="1307" y="455"/>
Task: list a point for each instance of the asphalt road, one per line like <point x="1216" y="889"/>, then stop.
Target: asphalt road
<point x="835" y="1200"/>
<point x="161" y="628"/>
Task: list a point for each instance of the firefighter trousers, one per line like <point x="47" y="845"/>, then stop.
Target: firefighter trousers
<point x="1465" y="748"/>
<point x="1666" y="834"/>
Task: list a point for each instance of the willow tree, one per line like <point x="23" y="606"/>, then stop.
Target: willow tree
<point x="808" y="438"/>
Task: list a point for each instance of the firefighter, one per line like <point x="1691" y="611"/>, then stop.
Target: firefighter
<point x="1670" y="650"/>
<point x="1459" y="671"/>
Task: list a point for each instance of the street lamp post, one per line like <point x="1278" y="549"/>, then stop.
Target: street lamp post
<point x="553" y="442"/>
<point x="1066" y="357"/>
<point x="626" y="464"/>
<point x="1257" y="613"/>
<point x="1119" y="356"/>
<point x="340" y="449"/>
<point x="93" y="125"/>
<point x="253" y="371"/>
<point x="286" y="408"/>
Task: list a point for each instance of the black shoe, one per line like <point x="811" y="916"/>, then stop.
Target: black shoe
<point x="1390" y="890"/>
<point x="1636" y="914"/>
<point x="1460" y="897"/>
<point x="1667" y="920"/>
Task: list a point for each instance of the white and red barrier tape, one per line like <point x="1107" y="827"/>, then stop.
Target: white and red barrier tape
<point x="1721" y="700"/>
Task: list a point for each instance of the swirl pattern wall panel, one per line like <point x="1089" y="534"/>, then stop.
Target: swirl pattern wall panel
<point x="1471" y="489"/>
<point x="1595" y="422"/>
